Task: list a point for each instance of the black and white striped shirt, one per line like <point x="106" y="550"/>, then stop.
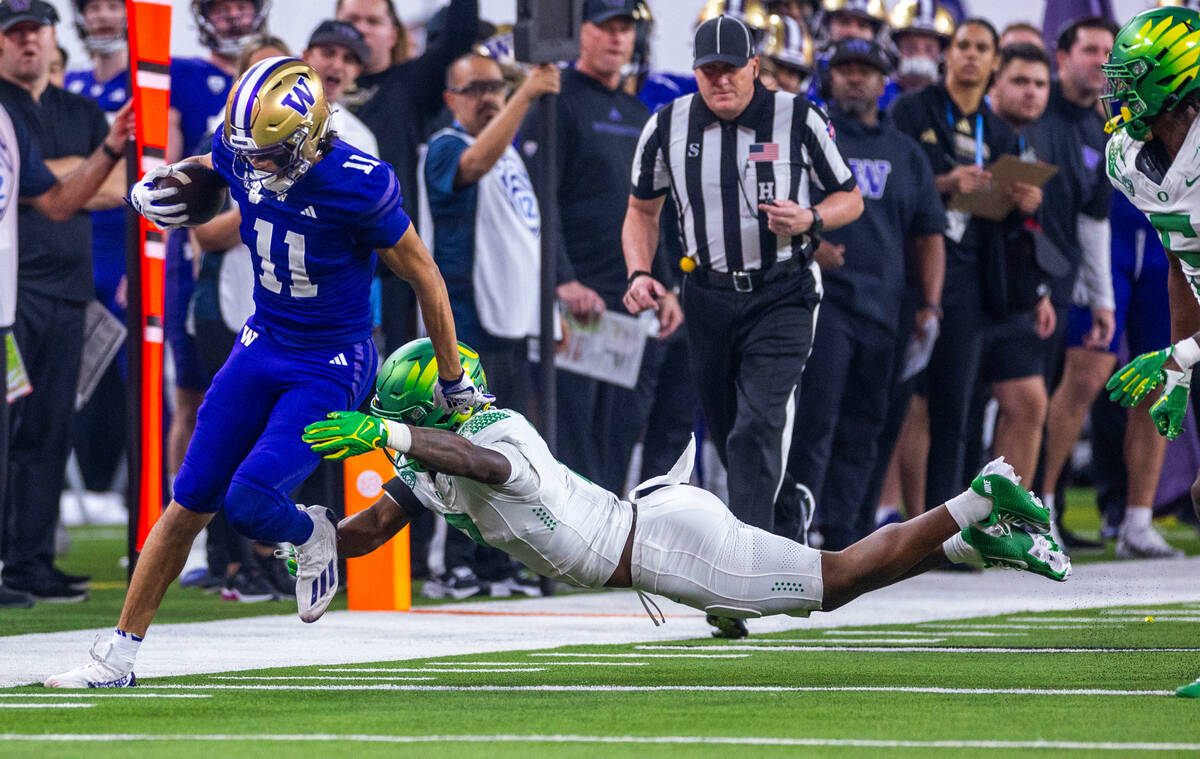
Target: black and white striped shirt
<point x="718" y="172"/>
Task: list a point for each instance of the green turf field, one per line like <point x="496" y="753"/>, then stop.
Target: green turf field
<point x="963" y="688"/>
<point x="994" y="680"/>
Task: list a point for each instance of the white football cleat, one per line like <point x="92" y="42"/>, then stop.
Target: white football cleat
<point x="102" y="672"/>
<point x="1144" y="543"/>
<point x="316" y="566"/>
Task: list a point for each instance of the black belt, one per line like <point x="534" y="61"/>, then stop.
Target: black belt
<point x="745" y="281"/>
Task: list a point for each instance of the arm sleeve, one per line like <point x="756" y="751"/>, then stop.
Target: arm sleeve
<point x="650" y="176"/>
<point x="404" y="497"/>
<point x="383" y="222"/>
<point x="812" y="131"/>
<point x="35" y="178"/>
<point x="1094" y="285"/>
<point x="458" y="34"/>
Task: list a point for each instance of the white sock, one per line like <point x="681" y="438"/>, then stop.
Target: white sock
<point x="959" y="551"/>
<point x="883" y="512"/>
<point x="1048" y="502"/>
<point x="969" y="507"/>
<point x="1136" y="518"/>
<point x="124" y="649"/>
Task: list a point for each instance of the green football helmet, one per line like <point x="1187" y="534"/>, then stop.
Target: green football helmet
<point x="1154" y="64"/>
<point x="404" y="386"/>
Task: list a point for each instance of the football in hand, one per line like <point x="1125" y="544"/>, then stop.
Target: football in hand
<point x="201" y="189"/>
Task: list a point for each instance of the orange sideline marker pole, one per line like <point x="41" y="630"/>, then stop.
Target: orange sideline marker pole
<point x="381" y="580"/>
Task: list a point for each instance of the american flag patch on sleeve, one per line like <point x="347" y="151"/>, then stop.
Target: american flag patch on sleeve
<point x="763" y="151"/>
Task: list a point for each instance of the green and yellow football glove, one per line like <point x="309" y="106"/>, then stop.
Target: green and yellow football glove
<point x="1135" y="380"/>
<point x="1169" y="410"/>
<point x="344" y="434"/>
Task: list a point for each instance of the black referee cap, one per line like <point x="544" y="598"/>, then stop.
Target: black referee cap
<point x="723" y="39"/>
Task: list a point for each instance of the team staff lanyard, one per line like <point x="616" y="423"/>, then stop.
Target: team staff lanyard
<point x="978" y="132"/>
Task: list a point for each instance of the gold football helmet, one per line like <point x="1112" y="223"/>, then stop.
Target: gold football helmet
<point x="752" y="12"/>
<point x="276" y="114"/>
<point x="922" y="16"/>
<point x="788" y="42"/>
<point x="874" y="11"/>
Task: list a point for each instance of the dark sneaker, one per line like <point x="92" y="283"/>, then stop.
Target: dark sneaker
<point x="458" y="583"/>
<point x="14" y="599"/>
<point x="276" y="573"/>
<point x="523" y="581"/>
<point x="50" y="590"/>
<point x="78" y="582"/>
<point x="727" y="627"/>
<point x="248" y="586"/>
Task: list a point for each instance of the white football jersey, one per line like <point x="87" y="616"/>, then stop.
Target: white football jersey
<point x="553" y="520"/>
<point x="1169" y="195"/>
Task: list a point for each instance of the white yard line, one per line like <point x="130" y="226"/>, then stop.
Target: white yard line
<point x="516" y="664"/>
<point x="662" y="688"/>
<point x="904" y="633"/>
<point x="997" y="626"/>
<point x="927" y="649"/>
<point x="327" y="678"/>
<point x="105" y="694"/>
<point x="608" y="739"/>
<point x="654" y="656"/>
<point x="1151" y="612"/>
<point x="823" y="641"/>
<point x="252" y="643"/>
<point x="48" y="705"/>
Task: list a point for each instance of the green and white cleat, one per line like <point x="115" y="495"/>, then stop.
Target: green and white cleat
<point x="1011" y="503"/>
<point x="1191" y="690"/>
<point x="1002" y="546"/>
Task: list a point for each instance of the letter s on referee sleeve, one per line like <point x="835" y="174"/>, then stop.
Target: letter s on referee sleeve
<point x="816" y="136"/>
<point x="650" y="176"/>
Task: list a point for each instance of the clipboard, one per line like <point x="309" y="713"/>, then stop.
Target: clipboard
<point x="991" y="203"/>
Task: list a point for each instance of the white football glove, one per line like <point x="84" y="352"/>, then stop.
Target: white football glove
<point x="147" y="200"/>
<point x="460" y="395"/>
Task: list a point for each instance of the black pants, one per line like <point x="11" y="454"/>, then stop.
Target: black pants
<point x="4" y="432"/>
<point x="509" y="375"/>
<point x="399" y="310"/>
<point x="842" y="410"/>
<point x="49" y="333"/>
<point x="672" y="414"/>
<point x="599" y="422"/>
<point x="952" y="372"/>
<point x="748" y="352"/>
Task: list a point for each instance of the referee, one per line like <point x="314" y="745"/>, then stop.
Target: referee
<point x="739" y="162"/>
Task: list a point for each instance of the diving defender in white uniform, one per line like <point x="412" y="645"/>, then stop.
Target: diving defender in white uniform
<point x="490" y="474"/>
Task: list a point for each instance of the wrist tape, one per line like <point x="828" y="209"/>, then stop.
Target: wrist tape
<point x="399" y="437"/>
<point x="1187" y="353"/>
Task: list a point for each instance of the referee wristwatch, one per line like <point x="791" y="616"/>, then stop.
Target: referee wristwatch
<point x="818" y="224"/>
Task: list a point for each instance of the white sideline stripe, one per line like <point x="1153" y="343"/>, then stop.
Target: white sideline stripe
<point x="1151" y="612"/>
<point x="77" y="694"/>
<point x="314" y="677"/>
<point x="425" y="669"/>
<point x="1166" y="618"/>
<point x="1088" y="620"/>
<point x="618" y="739"/>
<point x="945" y="649"/>
<point x="847" y="641"/>
<point x="947" y="626"/>
<point x="658" y="656"/>
<point x="522" y="663"/>
<point x="934" y="635"/>
<point x="48" y="705"/>
<point x="723" y="688"/>
<point x="120" y="737"/>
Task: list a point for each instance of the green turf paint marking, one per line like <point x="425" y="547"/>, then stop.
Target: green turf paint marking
<point x="617" y="739"/>
<point x="819" y="646"/>
<point x="663" y="688"/>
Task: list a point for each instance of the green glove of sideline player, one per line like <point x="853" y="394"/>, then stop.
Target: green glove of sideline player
<point x="1169" y="410"/>
<point x="1137" y="378"/>
<point x="344" y="434"/>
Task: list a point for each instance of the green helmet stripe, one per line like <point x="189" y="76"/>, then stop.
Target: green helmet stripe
<point x="405" y="384"/>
